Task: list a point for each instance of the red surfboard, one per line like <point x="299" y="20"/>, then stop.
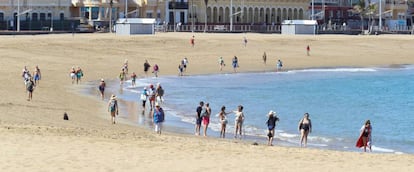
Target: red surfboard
<point x="359" y="142"/>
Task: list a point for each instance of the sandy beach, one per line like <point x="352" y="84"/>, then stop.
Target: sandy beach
<point x="34" y="137"/>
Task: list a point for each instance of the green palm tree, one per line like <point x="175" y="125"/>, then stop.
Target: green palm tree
<point x="365" y="9"/>
<point x="359" y="9"/>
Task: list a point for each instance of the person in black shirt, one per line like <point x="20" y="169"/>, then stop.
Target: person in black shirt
<point x="198" y="118"/>
<point x="271" y="125"/>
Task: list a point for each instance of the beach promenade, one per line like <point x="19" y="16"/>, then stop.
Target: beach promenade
<point x="34" y="136"/>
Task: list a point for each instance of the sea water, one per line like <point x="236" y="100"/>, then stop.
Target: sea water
<point x="339" y="101"/>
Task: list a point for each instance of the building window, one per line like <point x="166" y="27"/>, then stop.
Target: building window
<point x="42" y="16"/>
<point x="49" y="15"/>
<point x="149" y="15"/>
<point x="1" y="16"/>
<point x="62" y="16"/>
<point x="85" y="12"/>
<point x="34" y="17"/>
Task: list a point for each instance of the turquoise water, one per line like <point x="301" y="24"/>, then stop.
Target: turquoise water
<point x="338" y="100"/>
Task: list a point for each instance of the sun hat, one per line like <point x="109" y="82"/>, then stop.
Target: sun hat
<point x="157" y="104"/>
<point x="113" y="96"/>
<point x="271" y="113"/>
<point x="102" y="79"/>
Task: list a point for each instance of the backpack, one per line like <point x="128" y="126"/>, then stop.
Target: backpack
<point x="156" y="67"/>
<point x="204" y="113"/>
<point x="113" y="105"/>
<point x="30" y="85"/>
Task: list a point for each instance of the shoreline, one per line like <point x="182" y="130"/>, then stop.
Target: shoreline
<point x="178" y="126"/>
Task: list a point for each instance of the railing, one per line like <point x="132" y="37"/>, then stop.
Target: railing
<point x="272" y="29"/>
<point x="221" y="28"/>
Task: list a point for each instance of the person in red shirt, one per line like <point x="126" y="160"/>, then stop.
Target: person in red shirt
<point x="192" y="41"/>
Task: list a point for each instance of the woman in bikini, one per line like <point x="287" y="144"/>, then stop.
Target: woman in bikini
<point x="223" y="121"/>
<point x="238" y="121"/>
<point x="305" y="127"/>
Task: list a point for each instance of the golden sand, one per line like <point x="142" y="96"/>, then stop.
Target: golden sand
<point x="33" y="136"/>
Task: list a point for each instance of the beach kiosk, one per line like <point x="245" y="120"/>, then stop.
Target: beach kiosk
<point x="293" y="27"/>
<point x="130" y="26"/>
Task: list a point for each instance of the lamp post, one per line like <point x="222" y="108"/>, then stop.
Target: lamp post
<point x="192" y="15"/>
<point x="126" y="10"/>
<point x="313" y="10"/>
<point x="18" y="16"/>
<point x="111" y="3"/>
<point x="51" y="20"/>
<point x="231" y="15"/>
<point x="380" y="15"/>
<point x="205" y="16"/>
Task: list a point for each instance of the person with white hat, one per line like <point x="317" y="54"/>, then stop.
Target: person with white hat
<point x="113" y="107"/>
<point x="271" y="125"/>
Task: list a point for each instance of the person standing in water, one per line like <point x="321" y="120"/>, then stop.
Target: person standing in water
<point x="101" y="87"/>
<point x="305" y="127"/>
<point x="238" y="121"/>
<point x="144" y="97"/>
<point x="206" y="118"/>
<point x="271" y="125"/>
<point x="223" y="121"/>
<point x="122" y="76"/>
<point x="279" y="65"/>
<point x="199" y="110"/>
<point x="133" y="79"/>
<point x="113" y="108"/>
<point x="365" y="134"/>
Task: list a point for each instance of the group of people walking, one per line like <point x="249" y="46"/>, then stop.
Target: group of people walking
<point x="76" y="74"/>
<point x="31" y="80"/>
